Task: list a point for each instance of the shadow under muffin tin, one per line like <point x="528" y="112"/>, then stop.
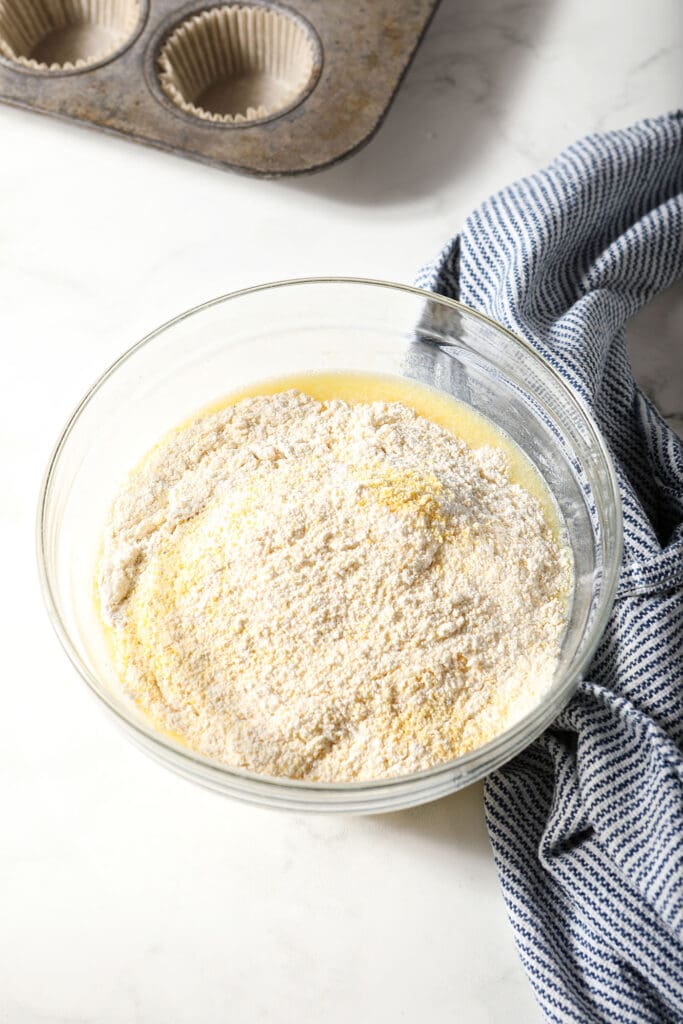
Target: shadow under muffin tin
<point x="263" y="88"/>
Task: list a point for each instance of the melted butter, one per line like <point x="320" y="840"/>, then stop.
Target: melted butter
<point x="452" y="415"/>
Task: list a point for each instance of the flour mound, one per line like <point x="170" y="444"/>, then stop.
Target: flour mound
<point x="331" y="591"/>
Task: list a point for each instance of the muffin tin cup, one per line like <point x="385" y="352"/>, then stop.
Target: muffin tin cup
<point x="233" y="64"/>
<point x="65" y="35"/>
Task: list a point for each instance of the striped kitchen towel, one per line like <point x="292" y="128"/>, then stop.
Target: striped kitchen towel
<point x="587" y="823"/>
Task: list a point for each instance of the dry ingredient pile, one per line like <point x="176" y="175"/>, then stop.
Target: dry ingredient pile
<point x="330" y="591"/>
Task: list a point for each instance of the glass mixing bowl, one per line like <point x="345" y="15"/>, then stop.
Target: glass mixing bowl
<point x="321" y="325"/>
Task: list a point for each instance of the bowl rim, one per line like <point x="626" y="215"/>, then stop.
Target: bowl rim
<point x="497" y="750"/>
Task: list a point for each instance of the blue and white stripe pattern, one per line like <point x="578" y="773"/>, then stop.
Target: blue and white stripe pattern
<point x="587" y="823"/>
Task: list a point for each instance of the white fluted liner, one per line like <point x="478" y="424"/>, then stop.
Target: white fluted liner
<point x="83" y="31"/>
<point x="231" y="64"/>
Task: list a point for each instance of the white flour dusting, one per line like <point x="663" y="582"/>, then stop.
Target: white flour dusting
<point x="331" y="591"/>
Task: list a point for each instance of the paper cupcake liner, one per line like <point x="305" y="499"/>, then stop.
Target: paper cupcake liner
<point x="233" y="64"/>
<point x="63" y="35"/>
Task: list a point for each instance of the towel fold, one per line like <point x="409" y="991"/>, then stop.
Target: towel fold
<point x="587" y="824"/>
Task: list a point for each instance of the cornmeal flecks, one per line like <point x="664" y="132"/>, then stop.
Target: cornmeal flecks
<point x="331" y="591"/>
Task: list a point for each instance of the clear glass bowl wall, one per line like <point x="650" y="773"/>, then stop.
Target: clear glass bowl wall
<point x="323" y="325"/>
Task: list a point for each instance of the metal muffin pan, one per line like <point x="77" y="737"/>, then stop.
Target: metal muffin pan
<point x="264" y="88"/>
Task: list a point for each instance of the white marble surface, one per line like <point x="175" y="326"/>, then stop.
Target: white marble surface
<point x="127" y="895"/>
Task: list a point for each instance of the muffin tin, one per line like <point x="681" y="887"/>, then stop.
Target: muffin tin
<point x="263" y="88"/>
